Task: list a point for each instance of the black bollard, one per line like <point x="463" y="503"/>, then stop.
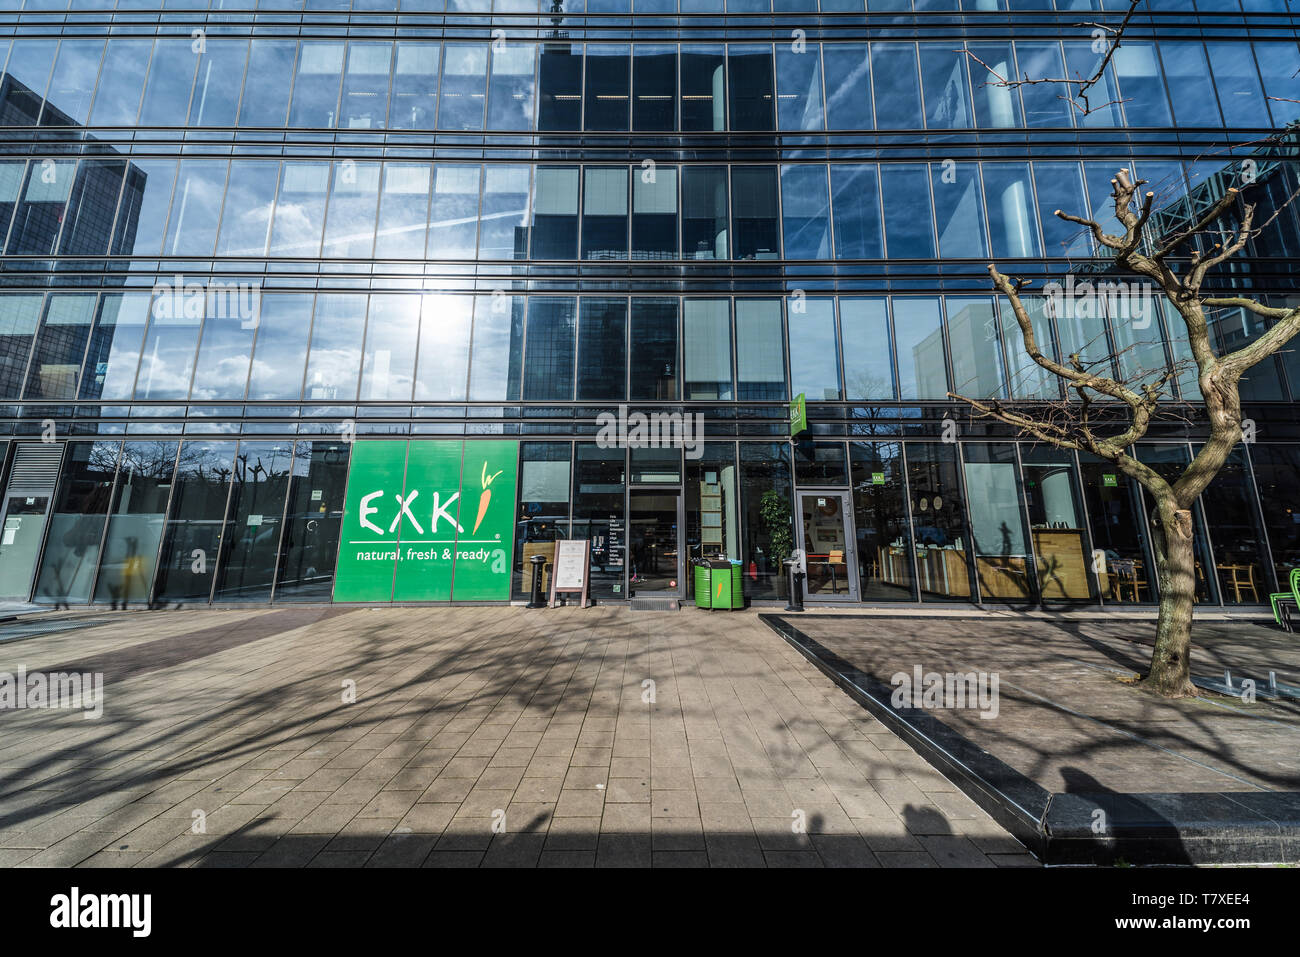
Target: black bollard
<point x="796" y="587"/>
<point x="537" y="562"/>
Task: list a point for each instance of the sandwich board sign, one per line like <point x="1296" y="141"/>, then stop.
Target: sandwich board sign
<point x="572" y="568"/>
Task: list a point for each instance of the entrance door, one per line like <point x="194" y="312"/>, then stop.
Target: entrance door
<point x="826" y="534"/>
<point x="22" y="524"/>
<point x="654" y="544"/>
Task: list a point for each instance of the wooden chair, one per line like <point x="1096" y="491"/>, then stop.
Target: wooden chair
<point x="1131" y="573"/>
<point x="1239" y="578"/>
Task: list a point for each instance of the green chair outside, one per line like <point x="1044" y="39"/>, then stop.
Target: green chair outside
<point x="1286" y="598"/>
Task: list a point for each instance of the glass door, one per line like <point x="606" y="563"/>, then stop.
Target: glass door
<point x="653" y="543"/>
<point x="826" y="534"/>
<point x="21" y="526"/>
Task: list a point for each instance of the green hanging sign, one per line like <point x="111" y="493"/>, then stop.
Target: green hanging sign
<point x="877" y="478"/>
<point x="798" y="415"/>
<point x="1109" y="480"/>
<point x="428" y="520"/>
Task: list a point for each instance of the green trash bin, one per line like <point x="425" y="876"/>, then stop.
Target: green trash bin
<point x="718" y="585"/>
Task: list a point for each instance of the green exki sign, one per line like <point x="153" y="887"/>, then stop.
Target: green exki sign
<point x="428" y="520"/>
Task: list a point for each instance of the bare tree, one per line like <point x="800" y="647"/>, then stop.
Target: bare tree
<point x="1086" y="421"/>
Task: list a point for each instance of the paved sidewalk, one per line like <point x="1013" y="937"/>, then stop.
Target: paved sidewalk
<point x="479" y="736"/>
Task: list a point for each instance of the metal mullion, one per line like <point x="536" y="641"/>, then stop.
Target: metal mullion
<point x="284" y="520"/>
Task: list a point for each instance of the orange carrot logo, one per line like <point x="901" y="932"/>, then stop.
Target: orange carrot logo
<point x="485" y="496"/>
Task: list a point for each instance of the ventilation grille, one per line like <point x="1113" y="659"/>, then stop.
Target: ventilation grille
<point x="36" y="468"/>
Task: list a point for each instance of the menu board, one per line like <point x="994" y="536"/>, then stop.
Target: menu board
<point x="617" y="542"/>
<point x="572" y="564"/>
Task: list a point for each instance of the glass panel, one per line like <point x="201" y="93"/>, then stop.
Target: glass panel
<point x="799" y="87"/>
<point x="171" y="74"/>
<point x="1170" y="461"/>
<point x="856" y="192"/>
<point x="848" y="76"/>
<point x="510" y="92"/>
<point x="1101" y="106"/>
<point x="1046" y="104"/>
<point x="750" y="81"/>
<point x="997" y="526"/>
<point x="250" y="200"/>
<point x="281" y="351"/>
<point x="27" y="75"/>
<point x="959" y="210"/>
<point x="300" y="209"/>
<point x="72" y="84"/>
<point x="908" y="225"/>
<point x="608" y="86"/>
<point x="316" y="85"/>
<point x="560" y="87"/>
<point x="1060" y="186"/>
<point x="1188" y="75"/>
<point x="216" y="89"/>
<point x="1081" y="326"/>
<point x="805" y="212"/>
<point x="555" y="213"/>
<point x="549" y="348"/>
<point x="444" y="348"/>
<point x="897" y="86"/>
<point x="19" y="316"/>
<point x="503" y="224"/>
<point x="768" y="517"/>
<point x="11" y="183"/>
<point x="1237" y="81"/>
<point x="880" y="522"/>
<point x="1010" y="200"/>
<point x="88" y="227"/>
<point x="1056" y="524"/>
<point x="1140" y="85"/>
<point x="114" y="351"/>
<point x="365" y="86"/>
<point x="313" y="521"/>
<point x="77" y="523"/>
<point x="453" y="217"/>
<point x="497" y="348"/>
<point x="654" y="87"/>
<point x="543" y="511"/>
<point x="947" y="97"/>
<point x="977" y="369"/>
<point x="196" y="208"/>
<point x="938" y="522"/>
<point x="60" y="346"/>
<point x="653" y="354"/>
<point x="43" y="210"/>
<point x="868" y="373"/>
<point x="704" y="88"/>
<point x="135" y="524"/>
<point x="1240" y="555"/>
<point x="392" y="333"/>
<point x="1029" y="380"/>
<point x="192" y="539"/>
<point x="20" y="544"/>
<point x="604" y="213"/>
<point x="121" y="82"/>
<point x="598" y="483"/>
<point x="167" y="360"/>
<point x="814" y="369"/>
<point x="143" y="214"/>
<point x="1277" y="477"/>
<point x="760" y="350"/>
<point x="1126" y="573"/>
<point x="754" y="212"/>
<point x="334" y="363"/>
<point x="918" y="337"/>
<point x="653" y="546"/>
<point x="704" y="213"/>
<point x="464" y="81"/>
<point x="654" y="213"/>
<point x="414" y="104"/>
<point x="602" y="349"/>
<point x="825" y="545"/>
<point x="350" y="225"/>
<point x="252" y="532"/>
<point x="708" y="349"/>
<point x="996" y="105"/>
<point x="269" y="80"/>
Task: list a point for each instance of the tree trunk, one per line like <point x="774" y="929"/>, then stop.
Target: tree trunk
<point x="1176" y="569"/>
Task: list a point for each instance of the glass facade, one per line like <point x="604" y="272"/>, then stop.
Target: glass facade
<point x="311" y="301"/>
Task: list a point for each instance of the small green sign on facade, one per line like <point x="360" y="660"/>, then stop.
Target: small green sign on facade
<point x="428" y="520"/>
<point x="877" y="478"/>
<point x="798" y="415"/>
<point x="1109" y="480"/>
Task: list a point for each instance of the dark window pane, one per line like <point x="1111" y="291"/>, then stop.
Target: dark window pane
<point x="654" y="349"/>
<point x="654" y="87"/>
<point x="654" y="213"/>
<point x="77" y="522"/>
<point x="252" y="532"/>
<point x="135" y="524"/>
<point x="897" y="87"/>
<point x="187" y="561"/>
<point x="768" y="521"/>
<point x="751" y="84"/>
<point x="848" y="78"/>
<point x="555" y="213"/>
<point x="548" y="344"/>
<point x="805" y="212"/>
<point x="704" y="88"/>
<point x="559" y="100"/>
<point x="313" y="521"/>
<point x="704" y="213"/>
<point x="602" y="349"/>
<point x="856" y="199"/>
<point x="607" y="100"/>
<point x="604" y="213"/>
<point x="754" y="212"/>
<point x="19" y="315"/>
<point x="60" y="346"/>
<point x="906" y="195"/>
